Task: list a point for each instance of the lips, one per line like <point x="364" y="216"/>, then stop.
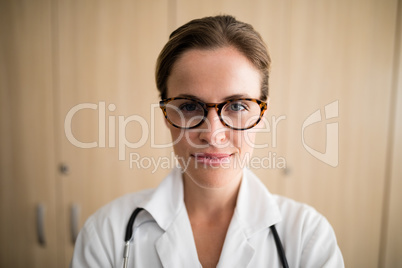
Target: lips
<point x="213" y="159"/>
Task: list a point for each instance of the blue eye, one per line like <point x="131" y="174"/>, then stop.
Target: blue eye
<point x="189" y="107"/>
<point x="237" y="106"/>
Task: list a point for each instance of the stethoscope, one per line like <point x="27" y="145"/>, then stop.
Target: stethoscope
<point x="129" y="237"/>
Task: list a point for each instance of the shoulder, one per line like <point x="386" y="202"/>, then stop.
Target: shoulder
<point x="308" y="234"/>
<point x="295" y="211"/>
<point x="118" y="211"/>
<point x="97" y="241"/>
<point x="124" y="203"/>
<point x="300" y="219"/>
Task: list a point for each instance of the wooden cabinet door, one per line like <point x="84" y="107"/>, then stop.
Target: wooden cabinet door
<point x="27" y="160"/>
<point x="106" y="97"/>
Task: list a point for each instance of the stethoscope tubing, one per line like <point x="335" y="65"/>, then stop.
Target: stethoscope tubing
<point x="129" y="235"/>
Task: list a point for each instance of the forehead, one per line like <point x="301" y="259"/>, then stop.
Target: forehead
<point x="213" y="75"/>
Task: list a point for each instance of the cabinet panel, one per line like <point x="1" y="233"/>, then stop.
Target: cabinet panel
<point x="27" y="164"/>
<point x="107" y="53"/>
<point x="325" y="52"/>
<point x="391" y="246"/>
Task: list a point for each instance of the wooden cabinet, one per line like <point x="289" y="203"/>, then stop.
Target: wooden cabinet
<point x="77" y="91"/>
<point x="27" y="160"/>
<point x="106" y="57"/>
<point x="56" y="56"/>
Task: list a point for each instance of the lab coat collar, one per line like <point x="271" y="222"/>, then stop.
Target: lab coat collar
<point x="167" y="200"/>
<point x="255" y="210"/>
<point x="176" y="247"/>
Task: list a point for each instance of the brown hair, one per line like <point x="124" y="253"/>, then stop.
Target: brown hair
<point x="211" y="33"/>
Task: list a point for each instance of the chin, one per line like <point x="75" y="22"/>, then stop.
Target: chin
<point x="213" y="177"/>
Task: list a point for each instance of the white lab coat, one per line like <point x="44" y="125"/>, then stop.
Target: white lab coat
<point x="163" y="235"/>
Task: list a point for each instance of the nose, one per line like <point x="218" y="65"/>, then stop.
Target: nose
<point x="212" y="131"/>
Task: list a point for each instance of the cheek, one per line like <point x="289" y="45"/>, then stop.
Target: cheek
<point x="183" y="141"/>
<point x="247" y="141"/>
<point x="177" y="139"/>
<point x="175" y="133"/>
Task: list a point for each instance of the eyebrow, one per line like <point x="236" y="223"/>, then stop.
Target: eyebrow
<point x="235" y="96"/>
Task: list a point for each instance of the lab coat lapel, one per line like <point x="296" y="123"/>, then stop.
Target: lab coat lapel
<point x="237" y="251"/>
<point x="176" y="247"/>
<point x="255" y="211"/>
<point x="256" y="207"/>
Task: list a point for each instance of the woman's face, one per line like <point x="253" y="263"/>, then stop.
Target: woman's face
<point x="213" y="155"/>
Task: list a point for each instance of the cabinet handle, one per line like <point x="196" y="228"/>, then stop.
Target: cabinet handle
<point x="40" y="224"/>
<point x="75" y="217"/>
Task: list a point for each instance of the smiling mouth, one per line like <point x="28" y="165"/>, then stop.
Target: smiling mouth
<point x="212" y="159"/>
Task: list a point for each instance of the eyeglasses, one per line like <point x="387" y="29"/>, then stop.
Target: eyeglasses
<point x="237" y="114"/>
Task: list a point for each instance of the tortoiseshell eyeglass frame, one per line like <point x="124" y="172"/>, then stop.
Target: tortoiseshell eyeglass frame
<point x="218" y="106"/>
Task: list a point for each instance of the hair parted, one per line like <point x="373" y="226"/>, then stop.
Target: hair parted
<point x="211" y="33"/>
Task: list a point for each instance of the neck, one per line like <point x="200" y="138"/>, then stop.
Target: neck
<point x="210" y="203"/>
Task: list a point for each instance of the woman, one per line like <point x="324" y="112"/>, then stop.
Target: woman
<point x="213" y="80"/>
